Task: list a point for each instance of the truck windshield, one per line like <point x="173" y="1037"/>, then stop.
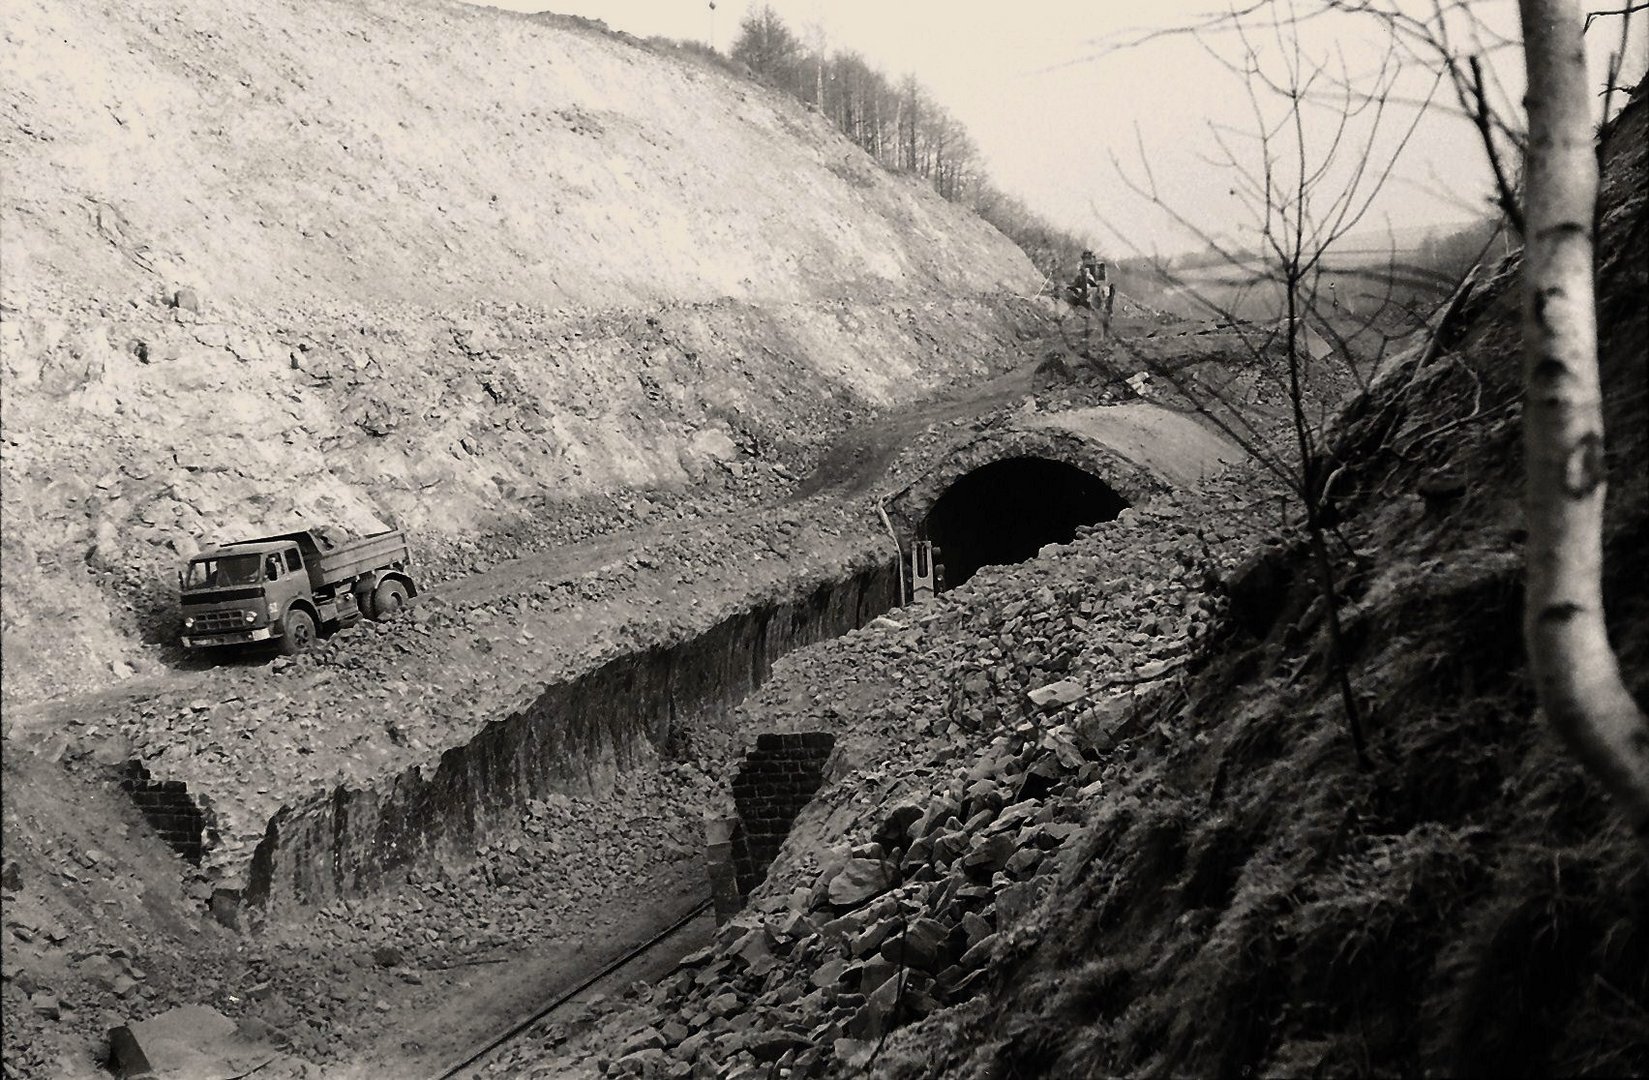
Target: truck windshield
<point x="229" y="570"/>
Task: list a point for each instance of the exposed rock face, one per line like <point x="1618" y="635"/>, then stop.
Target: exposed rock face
<point x="264" y="266"/>
<point x="574" y="737"/>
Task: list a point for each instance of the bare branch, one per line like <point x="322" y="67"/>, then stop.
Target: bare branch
<point x="1506" y="197"/>
<point x="1625" y="13"/>
<point x="1618" y="56"/>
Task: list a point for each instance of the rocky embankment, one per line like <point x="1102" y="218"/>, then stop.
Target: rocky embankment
<point x="972" y="737"/>
<point x="571" y="865"/>
<point x="319" y="287"/>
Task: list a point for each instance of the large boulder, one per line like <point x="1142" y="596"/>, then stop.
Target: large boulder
<point x="191" y="1042"/>
<point x="858" y="881"/>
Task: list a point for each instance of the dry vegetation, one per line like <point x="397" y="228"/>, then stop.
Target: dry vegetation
<point x="1471" y="906"/>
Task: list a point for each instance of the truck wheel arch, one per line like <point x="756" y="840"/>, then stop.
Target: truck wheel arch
<point x="400" y="576"/>
<point x="390" y="596"/>
<point x="315" y="624"/>
<point x="366" y="586"/>
<point x="300" y="604"/>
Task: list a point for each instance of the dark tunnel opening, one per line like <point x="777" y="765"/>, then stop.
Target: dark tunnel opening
<point x="1005" y="512"/>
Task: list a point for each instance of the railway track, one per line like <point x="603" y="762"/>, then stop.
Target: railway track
<point x="516" y="1030"/>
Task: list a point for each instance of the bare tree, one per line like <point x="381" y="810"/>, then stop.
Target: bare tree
<point x="813" y="82"/>
<point x="1576" y="673"/>
<point x="1305" y="175"/>
<point x="1551" y="202"/>
<point x="912" y="105"/>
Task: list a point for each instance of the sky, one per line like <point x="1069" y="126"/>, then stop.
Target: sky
<point x="1064" y="118"/>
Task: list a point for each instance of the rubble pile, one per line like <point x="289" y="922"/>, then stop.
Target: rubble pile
<point x="88" y="939"/>
<point x="891" y="929"/>
<point x="569" y="861"/>
<point x="1105" y="618"/>
<point x="974" y="732"/>
<point x="322" y="985"/>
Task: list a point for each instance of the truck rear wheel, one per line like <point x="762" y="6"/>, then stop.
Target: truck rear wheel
<point x="297" y="632"/>
<point x="388" y="598"/>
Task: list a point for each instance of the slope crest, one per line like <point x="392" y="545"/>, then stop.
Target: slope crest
<point x="434" y="153"/>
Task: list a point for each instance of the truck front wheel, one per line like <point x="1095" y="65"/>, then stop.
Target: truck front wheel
<point x="388" y="598"/>
<point x="297" y="632"/>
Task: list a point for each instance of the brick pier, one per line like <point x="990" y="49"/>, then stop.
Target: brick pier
<point x="169" y="808"/>
<point x="778" y="778"/>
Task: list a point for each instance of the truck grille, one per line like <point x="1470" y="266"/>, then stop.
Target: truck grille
<point x="215" y="622"/>
<point x="221" y="596"/>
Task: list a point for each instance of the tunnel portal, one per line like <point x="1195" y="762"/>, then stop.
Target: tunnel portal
<point x="1007" y="510"/>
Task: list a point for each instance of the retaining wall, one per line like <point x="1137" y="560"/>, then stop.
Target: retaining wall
<point x="572" y="739"/>
<point x="170" y="810"/>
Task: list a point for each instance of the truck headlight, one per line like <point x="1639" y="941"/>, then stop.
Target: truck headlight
<point x="249" y="616"/>
<point x="188" y="622"/>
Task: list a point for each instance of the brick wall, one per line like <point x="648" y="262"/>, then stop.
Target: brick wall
<point x="169" y="808"/>
<point x="778" y="778"/>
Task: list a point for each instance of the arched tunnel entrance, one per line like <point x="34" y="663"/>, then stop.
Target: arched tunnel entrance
<point x="1006" y="511"/>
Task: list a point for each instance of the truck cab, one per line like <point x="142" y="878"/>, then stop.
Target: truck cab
<point x="240" y="593"/>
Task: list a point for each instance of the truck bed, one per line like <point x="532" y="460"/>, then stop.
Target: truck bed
<point x="359" y="556"/>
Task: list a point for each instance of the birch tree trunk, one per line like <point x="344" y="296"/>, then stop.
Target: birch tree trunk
<point x="1576" y="674"/>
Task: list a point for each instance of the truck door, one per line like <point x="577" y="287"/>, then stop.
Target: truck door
<point x="283" y="583"/>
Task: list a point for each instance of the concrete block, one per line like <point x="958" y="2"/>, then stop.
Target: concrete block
<point x="720" y="831"/>
<point x="194" y="1041"/>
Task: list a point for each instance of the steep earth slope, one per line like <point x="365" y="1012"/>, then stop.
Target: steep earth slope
<point x="418" y="264"/>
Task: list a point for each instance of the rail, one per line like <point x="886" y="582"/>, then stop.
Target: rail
<point x="566" y="996"/>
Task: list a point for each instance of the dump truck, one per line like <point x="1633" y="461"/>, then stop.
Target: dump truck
<point x="288" y="587"/>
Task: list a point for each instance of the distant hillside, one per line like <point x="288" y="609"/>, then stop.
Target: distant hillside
<point x="422" y="263"/>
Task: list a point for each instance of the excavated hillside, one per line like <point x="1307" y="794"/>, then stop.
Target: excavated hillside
<point x="1094" y="813"/>
<point x="1099" y="814"/>
<point x="426" y="265"/>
